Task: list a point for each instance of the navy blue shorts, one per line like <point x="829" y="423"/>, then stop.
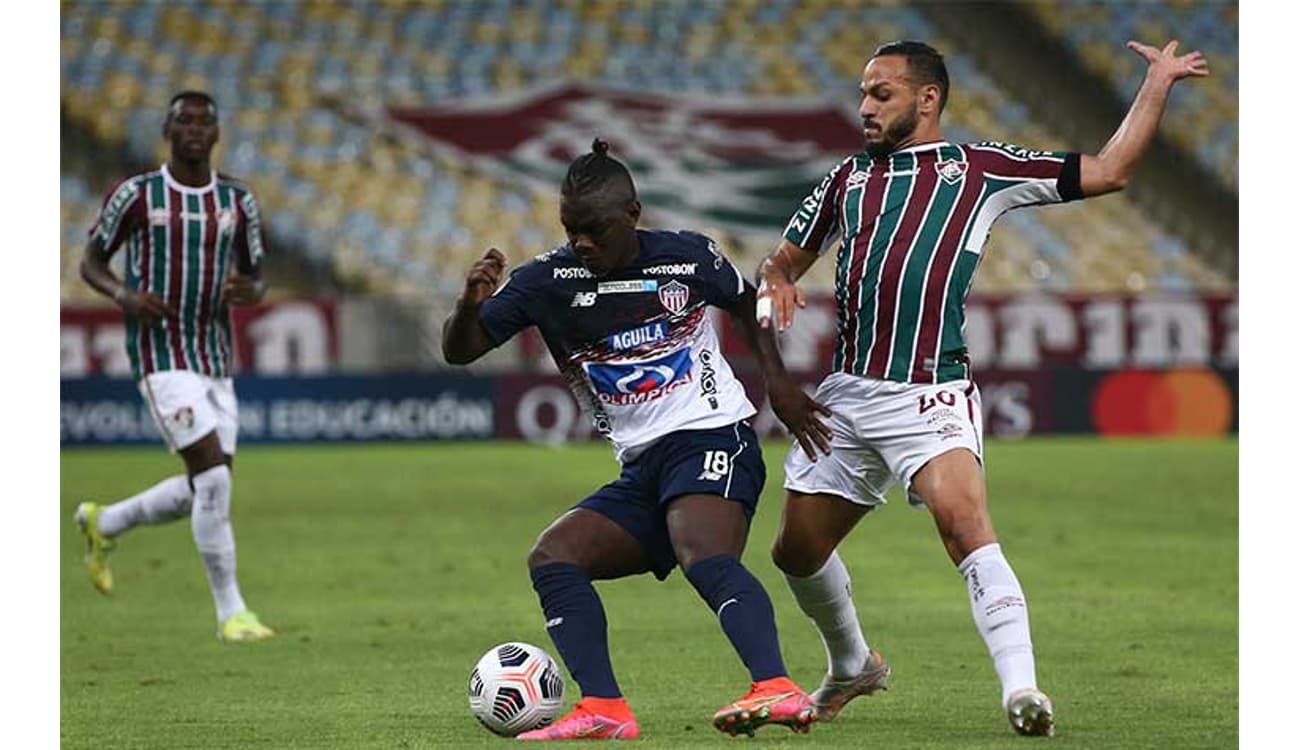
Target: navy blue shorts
<point x="726" y="461"/>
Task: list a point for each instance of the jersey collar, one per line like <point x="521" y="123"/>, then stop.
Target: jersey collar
<point x="178" y="187"/>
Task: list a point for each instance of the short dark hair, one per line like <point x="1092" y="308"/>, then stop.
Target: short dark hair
<point x="191" y="94"/>
<point x="924" y="64"/>
<point x="597" y="171"/>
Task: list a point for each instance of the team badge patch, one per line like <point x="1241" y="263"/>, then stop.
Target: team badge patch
<point x="674" y="295"/>
<point x="950" y="171"/>
<point x="184" y="417"/>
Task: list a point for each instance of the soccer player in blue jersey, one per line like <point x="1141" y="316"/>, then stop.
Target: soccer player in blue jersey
<point x="622" y="311"/>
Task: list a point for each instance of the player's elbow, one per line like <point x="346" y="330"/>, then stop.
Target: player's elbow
<point x="455" y="355"/>
<point x="1117" y="182"/>
<point x="460" y="352"/>
<point x="87" y="270"/>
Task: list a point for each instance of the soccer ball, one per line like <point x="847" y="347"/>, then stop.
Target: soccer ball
<point x="515" y="687"/>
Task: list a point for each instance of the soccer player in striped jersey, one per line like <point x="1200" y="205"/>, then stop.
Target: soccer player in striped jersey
<point x="623" y="313"/>
<point x="913" y="212"/>
<point x="194" y="245"/>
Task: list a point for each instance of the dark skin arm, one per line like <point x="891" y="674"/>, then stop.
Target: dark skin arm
<point x="147" y="307"/>
<point x="796" y="410"/>
<point x="463" y="337"/>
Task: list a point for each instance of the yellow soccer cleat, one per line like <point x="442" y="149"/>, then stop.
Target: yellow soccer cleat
<point x="243" y="626"/>
<point x="97" y="547"/>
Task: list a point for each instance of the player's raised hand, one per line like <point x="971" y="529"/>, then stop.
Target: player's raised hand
<point x="239" y="289"/>
<point x="801" y="415"/>
<point x="484" y="276"/>
<point x="146" y="307"/>
<point x="1167" y="62"/>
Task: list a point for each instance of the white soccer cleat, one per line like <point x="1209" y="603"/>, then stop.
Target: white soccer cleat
<point x="833" y="694"/>
<point x="1030" y="713"/>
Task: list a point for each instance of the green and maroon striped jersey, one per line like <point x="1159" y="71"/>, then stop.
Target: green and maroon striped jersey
<point x="180" y="245"/>
<point x="913" y="225"/>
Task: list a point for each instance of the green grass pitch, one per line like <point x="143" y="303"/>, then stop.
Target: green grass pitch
<point x="388" y="570"/>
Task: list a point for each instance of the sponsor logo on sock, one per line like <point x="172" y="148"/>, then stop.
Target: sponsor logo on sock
<point x="554" y="621"/>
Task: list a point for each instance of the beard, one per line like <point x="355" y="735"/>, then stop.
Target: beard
<point x="897" y="132"/>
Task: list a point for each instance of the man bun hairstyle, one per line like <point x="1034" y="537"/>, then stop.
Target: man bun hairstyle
<point x="597" y="171"/>
<point x="925" y="65"/>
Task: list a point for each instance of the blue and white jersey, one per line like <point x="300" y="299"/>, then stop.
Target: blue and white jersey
<point x="636" y="346"/>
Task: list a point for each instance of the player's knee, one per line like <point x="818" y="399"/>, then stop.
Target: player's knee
<point x="549" y="549"/>
<point x="964" y="527"/>
<point x="798" y="557"/>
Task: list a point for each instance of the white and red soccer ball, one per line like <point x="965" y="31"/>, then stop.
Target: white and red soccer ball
<point x="515" y="687"/>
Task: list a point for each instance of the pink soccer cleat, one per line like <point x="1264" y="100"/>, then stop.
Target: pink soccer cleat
<point x="774" y="701"/>
<point x="589" y="721"/>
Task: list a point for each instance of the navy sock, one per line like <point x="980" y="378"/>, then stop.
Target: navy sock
<point x="744" y="611"/>
<point x="575" y="620"/>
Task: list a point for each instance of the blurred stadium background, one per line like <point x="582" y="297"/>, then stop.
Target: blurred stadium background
<point x="391" y="142"/>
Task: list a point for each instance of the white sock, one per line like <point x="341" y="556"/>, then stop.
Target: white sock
<point x="165" y="501"/>
<point x="827" y="598"/>
<point x="213" y="535"/>
<point x="1001" y="615"/>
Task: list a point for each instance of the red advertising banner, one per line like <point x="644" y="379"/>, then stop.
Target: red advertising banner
<point x="1033" y="331"/>
<point x="286" y="337"/>
<point x="1016" y="403"/>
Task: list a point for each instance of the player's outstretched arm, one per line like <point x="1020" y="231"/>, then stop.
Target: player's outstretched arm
<point x="1111" y="168"/>
<point x="463" y="337"/>
<point x="148" y="308"/>
<point x="797" y="411"/>
<point x="778" y="294"/>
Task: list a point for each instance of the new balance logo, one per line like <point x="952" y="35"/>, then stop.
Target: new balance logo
<point x="708" y="476"/>
<point x="554" y="621"/>
<point x="583" y="299"/>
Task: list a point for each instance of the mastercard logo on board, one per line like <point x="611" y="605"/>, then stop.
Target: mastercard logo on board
<point x="1174" y="402"/>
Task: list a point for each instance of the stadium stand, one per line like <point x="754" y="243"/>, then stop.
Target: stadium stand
<point x="1202" y="119"/>
<point x="387" y="215"/>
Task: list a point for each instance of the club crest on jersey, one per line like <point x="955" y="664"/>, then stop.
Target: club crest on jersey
<point x="625" y="383"/>
<point x="183" y="418"/>
<point x="674" y="295"/>
<point x="951" y="171"/>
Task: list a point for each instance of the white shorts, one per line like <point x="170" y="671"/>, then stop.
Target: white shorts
<point x="186" y="406"/>
<point x="884" y="432"/>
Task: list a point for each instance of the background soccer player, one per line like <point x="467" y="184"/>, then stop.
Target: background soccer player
<point x="622" y="311"/>
<point x="194" y="245"/>
<point x="914" y="212"/>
